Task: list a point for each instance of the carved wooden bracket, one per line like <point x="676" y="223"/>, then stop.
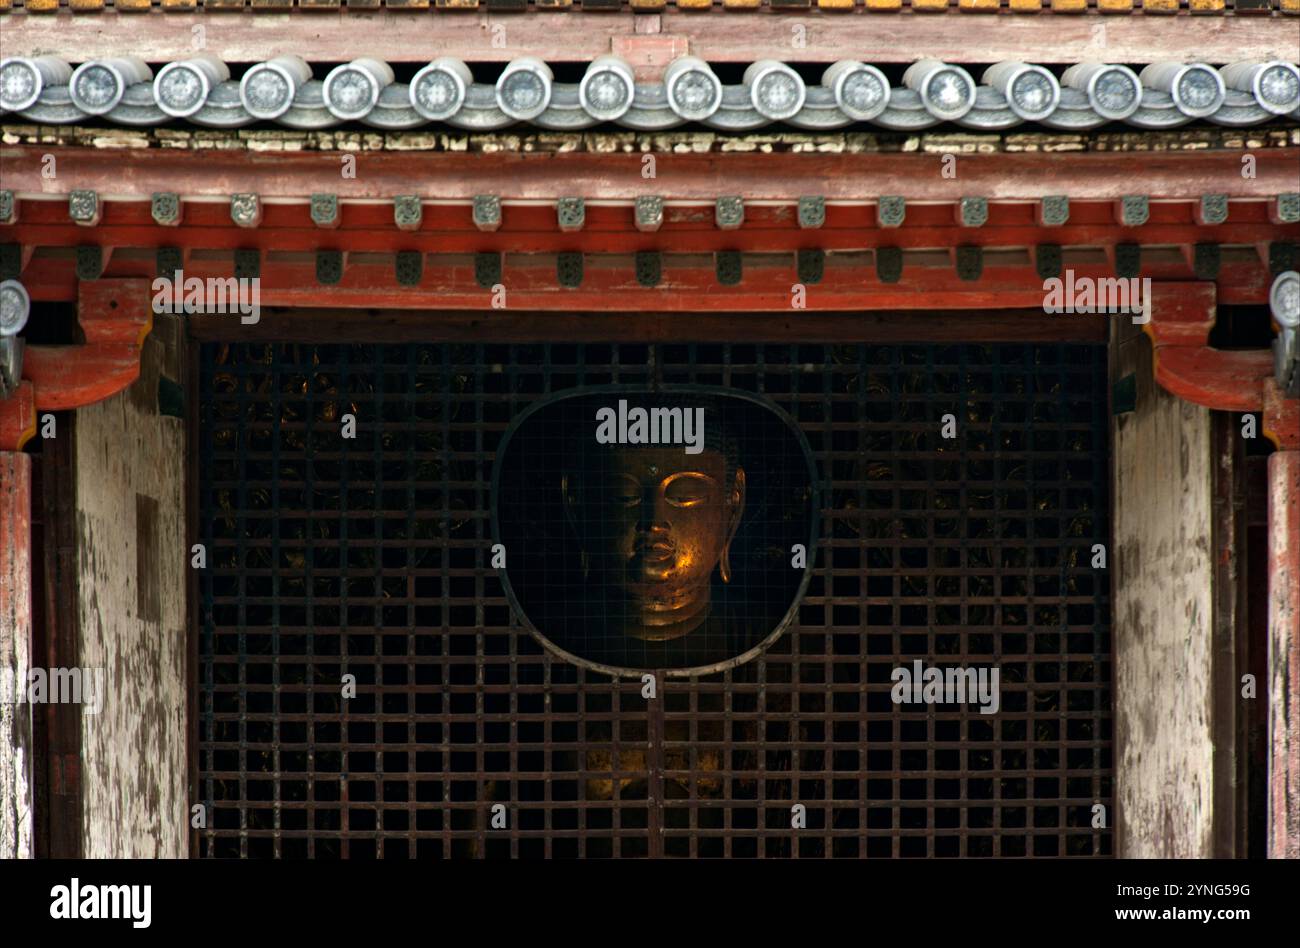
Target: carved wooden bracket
<point x="115" y="317"/>
<point x="1182" y="315"/>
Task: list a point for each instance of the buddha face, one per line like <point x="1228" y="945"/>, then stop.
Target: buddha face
<point x="654" y="524"/>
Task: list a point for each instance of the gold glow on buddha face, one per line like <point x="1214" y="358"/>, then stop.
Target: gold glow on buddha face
<point x="656" y="522"/>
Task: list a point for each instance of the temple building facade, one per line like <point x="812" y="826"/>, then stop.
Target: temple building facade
<point x="493" y="428"/>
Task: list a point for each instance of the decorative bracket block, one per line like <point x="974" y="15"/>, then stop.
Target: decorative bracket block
<point x="245" y="210"/>
<point x="1054" y="210"/>
<point x="408" y="211"/>
<point x="325" y="210"/>
<point x="1213" y="209"/>
<point x="83" y="207"/>
<point x="570" y="214"/>
<point x="1285" y="209"/>
<point x="115" y="317"/>
<point x="487" y="212"/>
<point x="1182" y="316"/>
<point x="891" y="211"/>
<point x="972" y="212"/>
<point x="649" y="213"/>
<point x="165" y="208"/>
<point x="812" y="212"/>
<point x="1134" y="210"/>
<point x="729" y="212"/>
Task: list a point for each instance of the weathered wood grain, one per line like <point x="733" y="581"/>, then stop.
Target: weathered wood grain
<point x="1161" y="582"/>
<point x="127" y="456"/>
<point x="851" y="34"/>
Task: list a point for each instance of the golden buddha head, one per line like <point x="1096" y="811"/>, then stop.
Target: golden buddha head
<point x="655" y="521"/>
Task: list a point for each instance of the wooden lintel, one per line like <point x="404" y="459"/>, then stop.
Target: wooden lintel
<point x="612" y="233"/>
<point x="135" y="174"/>
<point x="689" y="283"/>
<point x="241" y="37"/>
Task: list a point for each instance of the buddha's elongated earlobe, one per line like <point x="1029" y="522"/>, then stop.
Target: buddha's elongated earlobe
<point x="570" y="502"/>
<point x="736" y="503"/>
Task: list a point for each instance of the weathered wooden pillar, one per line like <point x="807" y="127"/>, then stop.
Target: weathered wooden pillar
<point x="15" y="654"/>
<point x="1282" y="422"/>
<point x="1161" y="585"/>
<point x="131" y="573"/>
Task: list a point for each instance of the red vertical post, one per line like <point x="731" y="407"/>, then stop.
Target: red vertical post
<point x="15" y="654"/>
<point x="1282" y="424"/>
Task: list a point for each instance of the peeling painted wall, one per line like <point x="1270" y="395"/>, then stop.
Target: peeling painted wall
<point x="129" y="464"/>
<point x="1163" y="615"/>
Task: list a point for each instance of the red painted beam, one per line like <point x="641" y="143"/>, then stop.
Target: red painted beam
<point x="531" y="220"/>
<point x="689" y="283"/>
<point x="627" y="240"/>
<point x="459" y="176"/>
